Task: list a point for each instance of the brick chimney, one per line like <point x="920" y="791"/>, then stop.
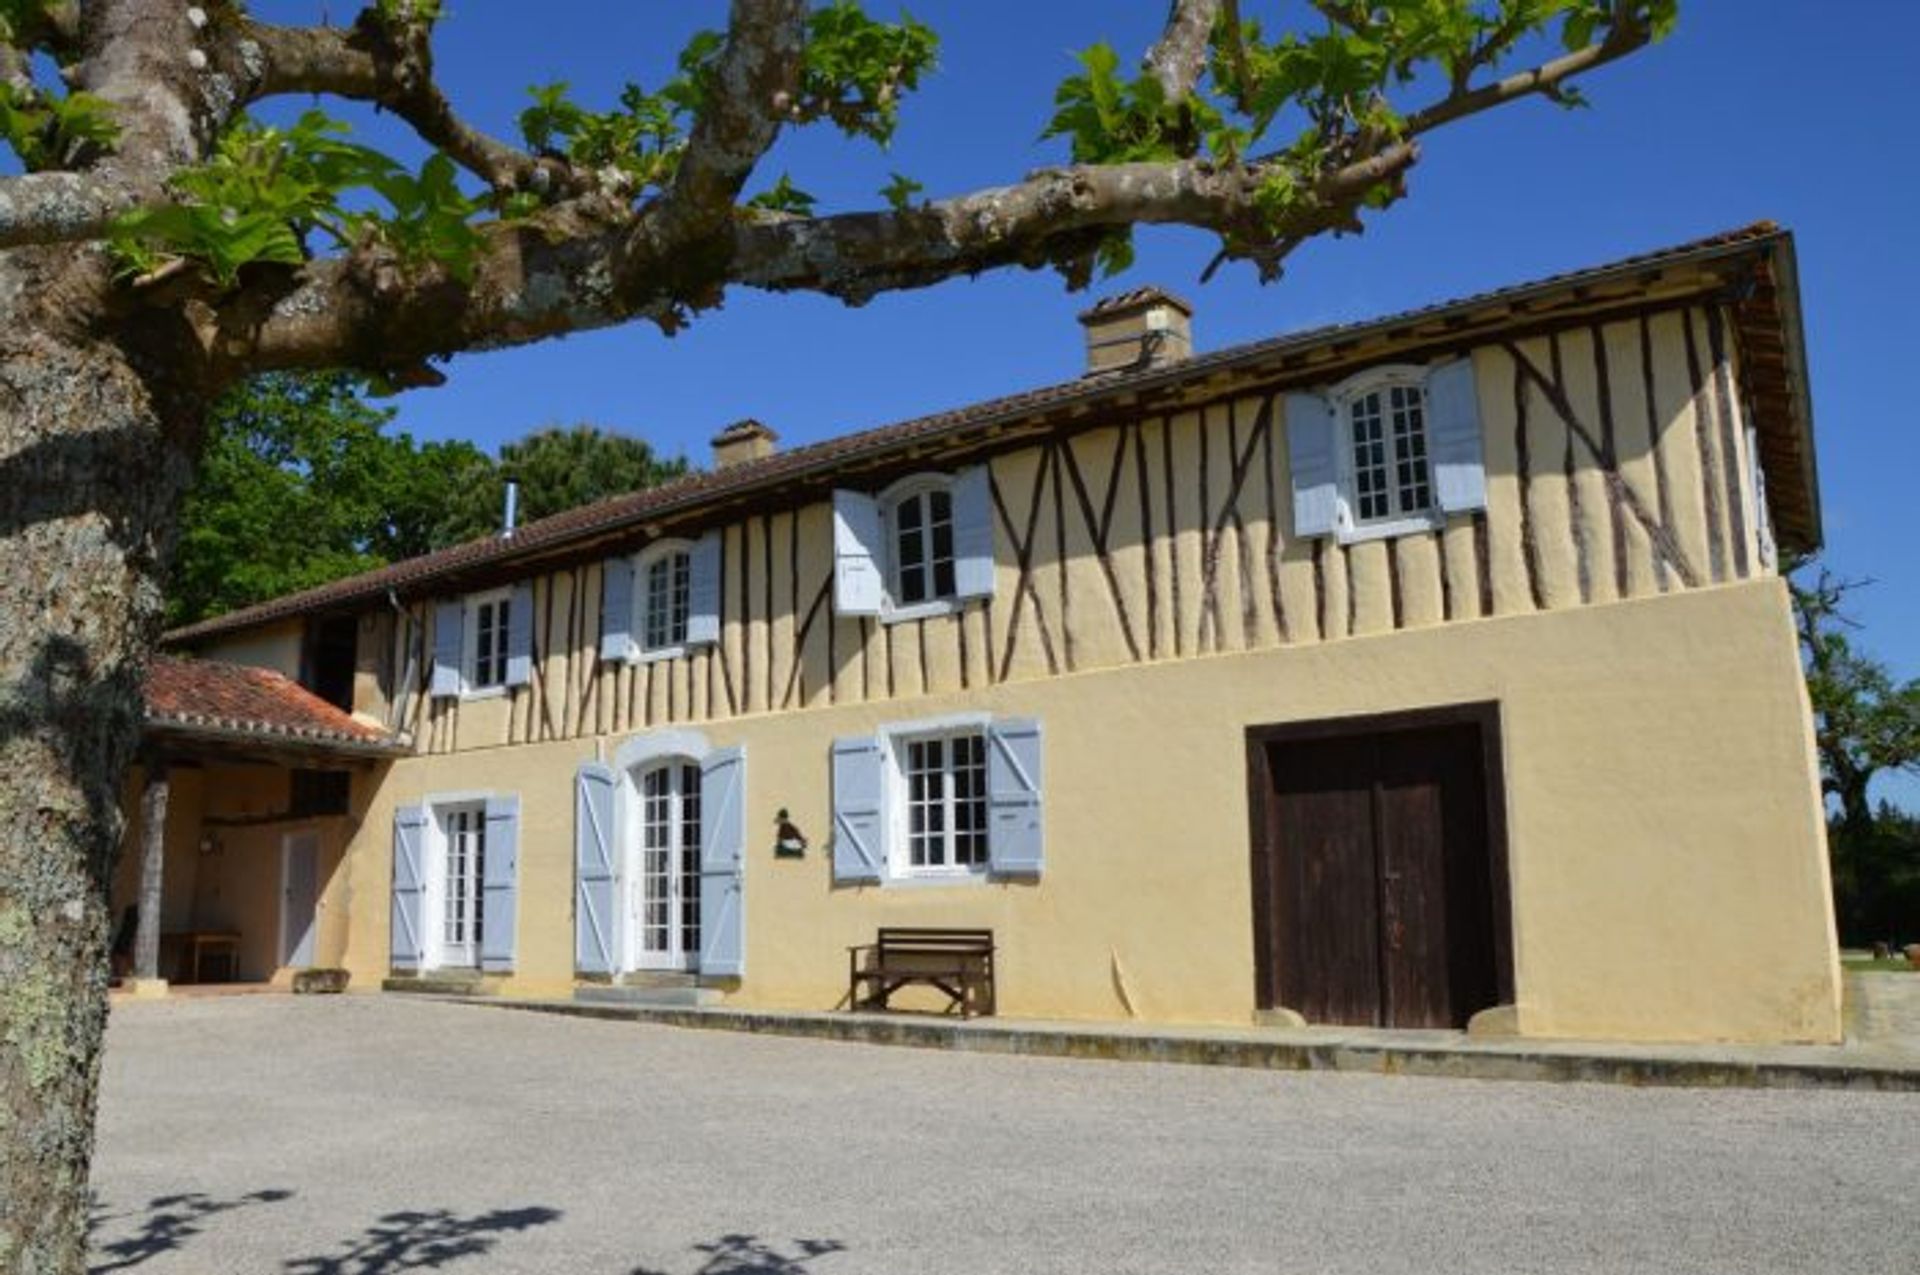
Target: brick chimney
<point x="1146" y="327"/>
<point x="742" y="441"/>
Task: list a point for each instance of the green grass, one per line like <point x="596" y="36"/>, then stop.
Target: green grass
<point x="1892" y="965"/>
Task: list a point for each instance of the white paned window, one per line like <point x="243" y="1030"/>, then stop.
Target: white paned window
<point x="919" y="520"/>
<point x="1391" y="478"/>
<point x="663" y="598"/>
<point x="463" y="869"/>
<point x="488" y="617"/>
<point x="943" y="781"/>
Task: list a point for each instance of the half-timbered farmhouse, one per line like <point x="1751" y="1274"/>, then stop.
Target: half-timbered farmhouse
<point x="1411" y="672"/>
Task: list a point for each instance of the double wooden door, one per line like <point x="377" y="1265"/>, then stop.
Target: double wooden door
<point x="1379" y="894"/>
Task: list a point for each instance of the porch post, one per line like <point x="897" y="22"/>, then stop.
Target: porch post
<point x="153" y="845"/>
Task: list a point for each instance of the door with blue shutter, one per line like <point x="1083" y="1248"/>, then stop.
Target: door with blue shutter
<point x="703" y="591"/>
<point x="408" y="926"/>
<point x="595" y="850"/>
<point x="859" y="587"/>
<point x="859" y="810"/>
<point x="723" y="861"/>
<point x="500" y="883"/>
<point x="1313" y="464"/>
<point x="616" y="609"/>
<point x="972" y="533"/>
<point x="1453" y="437"/>
<point x="1016" y="840"/>
<point x="520" y="636"/>
<point x="447" y="649"/>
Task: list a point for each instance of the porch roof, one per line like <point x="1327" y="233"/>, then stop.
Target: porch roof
<point x="211" y="703"/>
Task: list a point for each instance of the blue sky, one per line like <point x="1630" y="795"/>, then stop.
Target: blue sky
<point x="1786" y="111"/>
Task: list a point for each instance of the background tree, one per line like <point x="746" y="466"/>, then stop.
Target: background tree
<point x="299" y="484"/>
<point x="557" y="469"/>
<point x="1866" y="723"/>
<point x="162" y="245"/>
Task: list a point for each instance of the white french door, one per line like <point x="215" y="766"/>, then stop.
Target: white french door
<point x="464" y="830"/>
<point x="664" y="885"/>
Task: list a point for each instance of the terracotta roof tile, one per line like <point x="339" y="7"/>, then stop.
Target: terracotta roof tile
<point x="696" y="489"/>
<point x="215" y="696"/>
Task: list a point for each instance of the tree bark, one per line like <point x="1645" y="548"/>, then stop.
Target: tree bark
<point x="94" y="438"/>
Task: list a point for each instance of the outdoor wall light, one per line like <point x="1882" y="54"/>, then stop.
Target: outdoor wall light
<point x="788" y="841"/>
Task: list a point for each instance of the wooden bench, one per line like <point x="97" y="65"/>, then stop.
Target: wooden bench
<point x="957" y="962"/>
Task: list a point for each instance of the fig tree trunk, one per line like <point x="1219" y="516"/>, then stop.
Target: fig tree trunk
<point x="95" y="430"/>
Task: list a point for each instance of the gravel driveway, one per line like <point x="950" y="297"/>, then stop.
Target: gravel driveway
<point x="364" y="1135"/>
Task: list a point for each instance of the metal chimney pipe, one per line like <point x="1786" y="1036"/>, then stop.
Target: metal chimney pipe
<point x="513" y="504"/>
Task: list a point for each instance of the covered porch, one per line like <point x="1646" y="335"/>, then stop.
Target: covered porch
<point x="247" y="790"/>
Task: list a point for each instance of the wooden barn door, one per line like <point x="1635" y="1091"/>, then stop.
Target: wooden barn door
<point x="1378" y="883"/>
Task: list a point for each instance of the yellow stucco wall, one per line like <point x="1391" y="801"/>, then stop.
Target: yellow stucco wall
<point x="1667" y="855"/>
<point x="271" y="646"/>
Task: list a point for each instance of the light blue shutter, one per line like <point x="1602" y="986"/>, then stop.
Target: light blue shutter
<point x="1453" y="437"/>
<point x="859" y="809"/>
<point x="594" y="848"/>
<point x="520" y="636"/>
<point x="1310" y="457"/>
<point x="723" y="861"/>
<point x="616" y="609"/>
<point x="499" y="884"/>
<point x="858" y="586"/>
<point x="409" y="887"/>
<point x="972" y="534"/>
<point x="447" y="618"/>
<point x="703" y="590"/>
<point x="1015" y="844"/>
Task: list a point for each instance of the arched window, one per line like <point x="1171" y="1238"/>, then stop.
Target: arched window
<point x="1387" y="458"/>
<point x="918" y="515"/>
<point x="662" y="594"/>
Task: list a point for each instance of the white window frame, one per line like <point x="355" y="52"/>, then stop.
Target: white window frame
<point x="470" y="644"/>
<point x="892" y="610"/>
<point x="638" y="652"/>
<point x="1349" y="528"/>
<point x="894" y="739"/>
<point x="433" y="918"/>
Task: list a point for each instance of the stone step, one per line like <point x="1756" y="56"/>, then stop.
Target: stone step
<point x="686" y="995"/>
<point x="439" y="983"/>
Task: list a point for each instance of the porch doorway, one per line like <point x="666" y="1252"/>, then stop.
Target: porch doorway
<point x="299" y="897"/>
<point x="1379" y="868"/>
<point x="664" y="883"/>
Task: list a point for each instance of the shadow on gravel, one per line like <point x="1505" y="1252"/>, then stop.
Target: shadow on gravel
<point x="750" y="1255"/>
<point x="424" y="1240"/>
<point x="169" y="1220"/>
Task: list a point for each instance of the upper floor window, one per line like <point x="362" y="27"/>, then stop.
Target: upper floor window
<point x="663" y="602"/>
<point x="920" y="534"/>
<point x="665" y="593"/>
<point x="1387" y="429"/>
<point x="489" y="617"/>
<point x="921" y="547"/>
<point x="1390" y="451"/>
